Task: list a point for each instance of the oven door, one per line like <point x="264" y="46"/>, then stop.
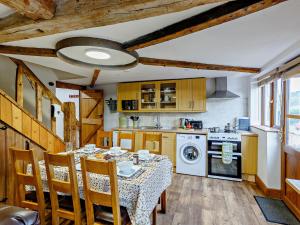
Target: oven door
<point x="217" y="169"/>
<point x="216" y="146"/>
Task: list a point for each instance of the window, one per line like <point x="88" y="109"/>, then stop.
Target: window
<point x="277" y="102"/>
<point x="293" y="113"/>
<point x="267" y="109"/>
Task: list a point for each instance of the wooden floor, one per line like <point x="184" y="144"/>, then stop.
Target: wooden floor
<point x="204" y="201"/>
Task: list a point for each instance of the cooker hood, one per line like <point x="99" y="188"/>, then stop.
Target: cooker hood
<point x="221" y="90"/>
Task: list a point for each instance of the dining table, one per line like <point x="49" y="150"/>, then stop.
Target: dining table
<point x="139" y="193"/>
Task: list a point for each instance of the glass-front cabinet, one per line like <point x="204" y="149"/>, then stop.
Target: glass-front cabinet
<point x="149" y="96"/>
<point x="168" y="95"/>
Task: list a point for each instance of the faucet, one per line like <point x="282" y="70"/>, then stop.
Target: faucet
<point x="157" y="124"/>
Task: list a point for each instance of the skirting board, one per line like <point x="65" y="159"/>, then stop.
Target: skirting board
<point x="269" y="192"/>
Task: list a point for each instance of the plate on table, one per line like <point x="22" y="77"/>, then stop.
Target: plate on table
<point x="115" y="153"/>
<point x="133" y="170"/>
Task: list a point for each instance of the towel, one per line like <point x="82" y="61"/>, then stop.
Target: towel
<point x="227" y="152"/>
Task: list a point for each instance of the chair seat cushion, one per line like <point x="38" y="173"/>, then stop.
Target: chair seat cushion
<point x="11" y="215"/>
<point x="104" y="214"/>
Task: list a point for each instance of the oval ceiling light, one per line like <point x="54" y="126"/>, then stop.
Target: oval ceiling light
<point x="96" y="53"/>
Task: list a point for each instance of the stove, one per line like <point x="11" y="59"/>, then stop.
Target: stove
<point x="216" y="167"/>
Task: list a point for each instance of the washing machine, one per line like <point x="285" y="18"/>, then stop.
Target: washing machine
<point x="191" y="154"/>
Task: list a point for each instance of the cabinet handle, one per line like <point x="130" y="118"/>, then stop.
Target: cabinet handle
<point x="164" y="137"/>
<point x="193" y="104"/>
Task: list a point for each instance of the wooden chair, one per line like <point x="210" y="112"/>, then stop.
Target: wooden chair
<point x="111" y="212"/>
<point x="153" y="138"/>
<point x="101" y="135"/>
<point x="20" y="158"/>
<point x="127" y="136"/>
<point x="72" y="209"/>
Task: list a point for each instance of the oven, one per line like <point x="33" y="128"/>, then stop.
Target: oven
<point x="216" y="167"/>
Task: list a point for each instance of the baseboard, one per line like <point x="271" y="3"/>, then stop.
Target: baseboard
<point x="292" y="207"/>
<point x="269" y="192"/>
<point x="248" y="177"/>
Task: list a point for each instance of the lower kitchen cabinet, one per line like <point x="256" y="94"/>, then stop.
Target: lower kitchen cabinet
<point x="168" y="144"/>
<point x="249" y="154"/>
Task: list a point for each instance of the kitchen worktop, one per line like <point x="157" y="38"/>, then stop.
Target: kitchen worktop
<point x="179" y="130"/>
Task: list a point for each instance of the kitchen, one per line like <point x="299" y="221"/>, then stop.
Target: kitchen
<point x="198" y="109"/>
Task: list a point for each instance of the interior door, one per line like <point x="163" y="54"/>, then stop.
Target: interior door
<point x="91" y="115"/>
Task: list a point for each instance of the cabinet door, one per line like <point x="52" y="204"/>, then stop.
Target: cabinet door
<point x="169" y="146"/>
<point x="16" y="118"/>
<point x="168" y="95"/>
<point x="149" y="96"/>
<point x="249" y="155"/>
<point x="138" y="141"/>
<point x="185" y="95"/>
<point x="199" y="95"/>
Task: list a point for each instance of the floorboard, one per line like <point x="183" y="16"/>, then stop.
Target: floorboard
<point x="195" y="200"/>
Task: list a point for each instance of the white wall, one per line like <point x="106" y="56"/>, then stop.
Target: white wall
<point x="219" y="112"/>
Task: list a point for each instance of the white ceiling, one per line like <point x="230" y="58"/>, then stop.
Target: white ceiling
<point x="5" y="11"/>
<point x="251" y="41"/>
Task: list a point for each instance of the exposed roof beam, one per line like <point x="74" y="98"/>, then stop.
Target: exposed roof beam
<point x="193" y="65"/>
<point x="74" y="15"/>
<point x="213" y="17"/>
<point x="34" y="9"/>
<point x="5" y="49"/>
<point x="64" y="85"/>
<point x="95" y="77"/>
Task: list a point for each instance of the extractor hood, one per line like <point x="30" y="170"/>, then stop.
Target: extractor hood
<point x="221" y="90"/>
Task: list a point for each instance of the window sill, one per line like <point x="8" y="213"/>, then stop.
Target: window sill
<point x="266" y="129"/>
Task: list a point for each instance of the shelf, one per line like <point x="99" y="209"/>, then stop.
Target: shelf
<point x="295" y="184"/>
<point x="148" y="92"/>
<point x="167" y="92"/>
<point x="148" y="102"/>
<point x="168" y="102"/>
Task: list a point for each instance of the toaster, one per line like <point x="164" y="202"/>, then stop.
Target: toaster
<point x="196" y="124"/>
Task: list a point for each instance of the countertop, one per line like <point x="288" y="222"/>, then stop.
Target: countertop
<point x="180" y="130"/>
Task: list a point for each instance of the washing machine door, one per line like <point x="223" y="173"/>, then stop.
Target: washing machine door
<point x="190" y="153"/>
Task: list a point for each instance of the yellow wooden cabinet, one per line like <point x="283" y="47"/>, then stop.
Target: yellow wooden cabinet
<point x="127" y="91"/>
<point x="249" y="154"/>
<point x="192" y="95"/>
<point x="187" y="95"/>
<point x="169" y="146"/>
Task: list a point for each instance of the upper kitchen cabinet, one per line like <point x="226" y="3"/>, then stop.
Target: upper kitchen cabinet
<point x="128" y="95"/>
<point x="187" y="95"/>
<point x="149" y="96"/>
<point x="168" y="95"/>
<point x="192" y="95"/>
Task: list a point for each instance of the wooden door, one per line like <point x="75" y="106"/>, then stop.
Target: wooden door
<point x="185" y="95"/>
<point x="3" y="165"/>
<point x="91" y="115"/>
<point x="199" y="94"/>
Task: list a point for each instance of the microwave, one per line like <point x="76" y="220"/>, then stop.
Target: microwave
<point x="130" y="104"/>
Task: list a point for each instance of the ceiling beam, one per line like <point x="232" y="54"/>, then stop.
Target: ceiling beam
<point x="95" y="77"/>
<point x="34" y="9"/>
<point x="15" y="50"/>
<point x="64" y="85"/>
<point x="193" y="65"/>
<point x="213" y="17"/>
<point x="75" y="15"/>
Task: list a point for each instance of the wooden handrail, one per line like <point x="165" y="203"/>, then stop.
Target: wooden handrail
<point x="15" y="116"/>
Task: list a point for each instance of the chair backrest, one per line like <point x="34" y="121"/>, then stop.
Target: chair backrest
<point x="154" y="138"/>
<point x="109" y="199"/>
<point x="102" y="136"/>
<point x="67" y="187"/>
<point x="19" y="158"/>
<point x="127" y="136"/>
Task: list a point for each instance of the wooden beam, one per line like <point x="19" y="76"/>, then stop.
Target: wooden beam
<point x="36" y="80"/>
<point x="74" y="15"/>
<point x="19" y="86"/>
<point x="213" y="17"/>
<point x="95" y="77"/>
<point x="34" y="9"/>
<point x="64" y="85"/>
<point x="16" y="50"/>
<point x="193" y="65"/>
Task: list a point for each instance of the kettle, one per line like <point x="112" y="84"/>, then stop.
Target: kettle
<point x="183" y="122"/>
